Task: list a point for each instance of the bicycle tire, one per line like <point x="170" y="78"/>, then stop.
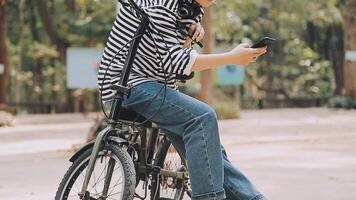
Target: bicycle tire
<point x="160" y="159"/>
<point x="80" y="164"/>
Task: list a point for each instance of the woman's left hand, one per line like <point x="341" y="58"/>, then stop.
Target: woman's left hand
<point x="197" y="32"/>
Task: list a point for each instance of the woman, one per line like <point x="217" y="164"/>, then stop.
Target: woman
<point x="164" y="55"/>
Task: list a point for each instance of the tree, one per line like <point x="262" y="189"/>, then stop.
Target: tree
<point x="46" y="16"/>
<point x="3" y="54"/>
<point x="207" y="75"/>
<point x="305" y="60"/>
<point x="16" y="84"/>
<point x="350" y="45"/>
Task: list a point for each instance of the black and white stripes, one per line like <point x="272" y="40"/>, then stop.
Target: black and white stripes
<point x="161" y="47"/>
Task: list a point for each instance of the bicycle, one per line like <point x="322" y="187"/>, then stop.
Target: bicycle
<point x="124" y="154"/>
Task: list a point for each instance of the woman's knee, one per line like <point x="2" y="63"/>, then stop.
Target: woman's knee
<point x="206" y="116"/>
<point x="210" y="113"/>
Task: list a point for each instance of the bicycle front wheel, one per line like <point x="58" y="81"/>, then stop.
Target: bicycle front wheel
<point x="113" y="176"/>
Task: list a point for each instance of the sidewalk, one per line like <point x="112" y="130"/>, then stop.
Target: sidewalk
<point x="290" y="154"/>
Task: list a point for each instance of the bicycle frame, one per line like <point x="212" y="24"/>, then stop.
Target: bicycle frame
<point x="122" y="90"/>
<point x="147" y="147"/>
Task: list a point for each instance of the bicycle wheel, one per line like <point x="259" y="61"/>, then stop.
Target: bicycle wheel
<point x="112" y="162"/>
<point x="169" y="159"/>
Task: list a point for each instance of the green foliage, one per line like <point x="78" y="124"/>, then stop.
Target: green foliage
<point x="342" y="102"/>
<point x="226" y="109"/>
<point x="303" y="72"/>
<point x="88" y="27"/>
<point x="41" y="77"/>
<point x="41" y="51"/>
<point x="226" y="102"/>
<point x="296" y="64"/>
<point x="299" y="63"/>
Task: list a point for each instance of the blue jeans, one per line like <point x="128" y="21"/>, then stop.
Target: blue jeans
<point x="192" y="127"/>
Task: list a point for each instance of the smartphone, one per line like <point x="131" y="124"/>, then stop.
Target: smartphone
<point x="263" y="42"/>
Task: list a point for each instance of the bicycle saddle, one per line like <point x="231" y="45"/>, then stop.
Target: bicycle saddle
<point x="130" y="115"/>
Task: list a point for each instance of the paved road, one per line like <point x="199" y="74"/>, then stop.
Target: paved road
<point x="290" y="154"/>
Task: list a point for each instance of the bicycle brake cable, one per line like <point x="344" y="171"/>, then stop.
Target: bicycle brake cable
<point x="164" y="96"/>
<point x="165" y="77"/>
<point x="165" y="80"/>
<point x="105" y="73"/>
<point x="165" y="83"/>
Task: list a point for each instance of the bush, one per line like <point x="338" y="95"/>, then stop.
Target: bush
<point x="226" y="102"/>
<point x="226" y="109"/>
<point x="226" y="99"/>
<point x="342" y="102"/>
<point x="6" y="118"/>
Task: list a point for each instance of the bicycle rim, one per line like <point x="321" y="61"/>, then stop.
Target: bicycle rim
<point x="73" y="184"/>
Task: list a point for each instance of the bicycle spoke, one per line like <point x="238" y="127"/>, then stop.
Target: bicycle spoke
<point x="102" y="171"/>
<point x="94" y="181"/>
<point x="172" y="187"/>
<point x="76" y="186"/>
<point x="94" y="185"/>
<point x="113" y="172"/>
<point x="172" y="192"/>
<point x="112" y="187"/>
<point x="115" y="193"/>
<point x="83" y="179"/>
<point x="102" y="178"/>
<point x="117" y="183"/>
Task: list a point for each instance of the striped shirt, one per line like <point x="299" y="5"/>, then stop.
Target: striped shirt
<point x="159" y="52"/>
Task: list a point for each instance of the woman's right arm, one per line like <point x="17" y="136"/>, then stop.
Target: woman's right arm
<point x="240" y="55"/>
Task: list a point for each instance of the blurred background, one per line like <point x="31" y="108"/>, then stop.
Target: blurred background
<point x="288" y="120"/>
<point x="50" y="51"/>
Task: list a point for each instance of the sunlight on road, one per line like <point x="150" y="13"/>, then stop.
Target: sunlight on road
<point x="37" y="146"/>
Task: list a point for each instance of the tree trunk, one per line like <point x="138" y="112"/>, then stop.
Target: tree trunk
<point x="38" y="70"/>
<point x="46" y="16"/>
<point x="54" y="89"/>
<point x="39" y="81"/>
<point x="16" y="84"/>
<point x="72" y="6"/>
<point x="207" y="75"/>
<point x="3" y="54"/>
<point x="337" y="57"/>
<point x="350" y="44"/>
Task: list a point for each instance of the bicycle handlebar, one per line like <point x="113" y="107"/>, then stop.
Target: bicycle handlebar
<point x="143" y="14"/>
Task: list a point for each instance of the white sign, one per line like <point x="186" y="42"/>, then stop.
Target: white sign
<point x="82" y="67"/>
<point x="2" y="68"/>
<point x="350" y="56"/>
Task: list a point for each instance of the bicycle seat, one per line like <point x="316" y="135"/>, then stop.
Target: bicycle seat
<point x="130" y="116"/>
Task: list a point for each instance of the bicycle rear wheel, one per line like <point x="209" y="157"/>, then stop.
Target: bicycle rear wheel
<point x="169" y="188"/>
<point x="112" y="162"/>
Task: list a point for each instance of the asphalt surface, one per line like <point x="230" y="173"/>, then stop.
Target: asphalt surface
<point x="290" y="154"/>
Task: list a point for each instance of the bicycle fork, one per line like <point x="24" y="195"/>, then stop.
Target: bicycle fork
<point x="94" y="154"/>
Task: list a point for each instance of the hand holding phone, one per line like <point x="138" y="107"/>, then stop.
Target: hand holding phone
<point x="263" y="42"/>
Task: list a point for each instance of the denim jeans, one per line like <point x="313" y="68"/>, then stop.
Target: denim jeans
<point x="192" y="127"/>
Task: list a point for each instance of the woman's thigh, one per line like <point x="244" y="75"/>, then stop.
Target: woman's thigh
<point x="169" y="108"/>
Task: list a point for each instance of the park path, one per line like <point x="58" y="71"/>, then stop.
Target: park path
<point x="290" y="154"/>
